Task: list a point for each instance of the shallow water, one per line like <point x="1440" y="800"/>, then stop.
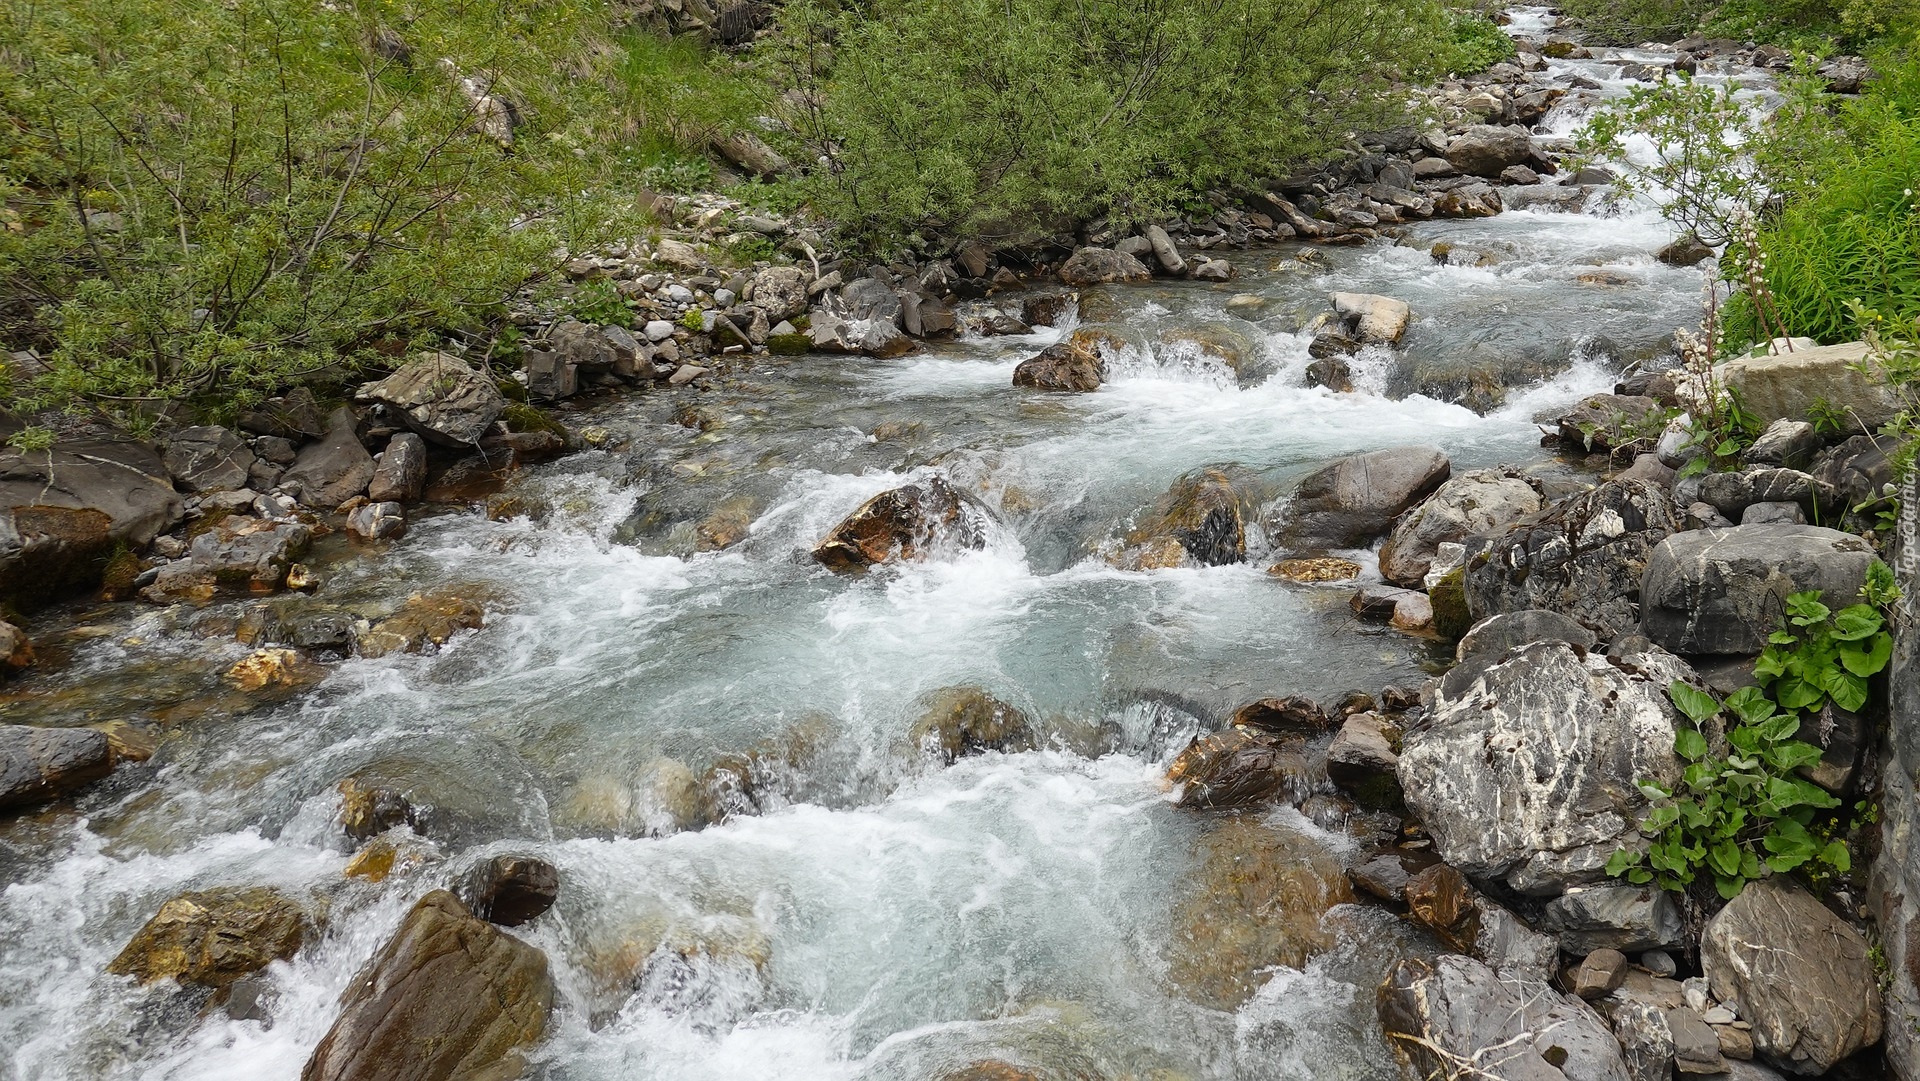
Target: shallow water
<point x="883" y="919"/>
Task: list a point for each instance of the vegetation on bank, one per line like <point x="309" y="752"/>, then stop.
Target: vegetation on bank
<point x="1807" y="25"/>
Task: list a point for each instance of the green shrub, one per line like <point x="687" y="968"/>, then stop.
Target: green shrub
<point x="682" y="96"/>
<point x="1739" y="816"/>
<point x="1006" y="118"/>
<point x="1474" y="44"/>
<point x="213" y="198"/>
<point x="1628" y="22"/>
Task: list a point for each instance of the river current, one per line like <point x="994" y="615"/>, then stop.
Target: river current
<point x="881" y="918"/>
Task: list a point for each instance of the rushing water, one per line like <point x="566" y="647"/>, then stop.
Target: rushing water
<point x="884" y="919"/>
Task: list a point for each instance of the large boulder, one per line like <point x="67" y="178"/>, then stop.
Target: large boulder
<point x="250" y="553"/>
<point x="1103" y="266"/>
<point x="400" y="473"/>
<point x="333" y="470"/>
<point x="1615" y="917"/>
<point x="1456" y="1017"/>
<point x="511" y="890"/>
<point x="1803" y="977"/>
<point x="1373" y="320"/>
<point x="1612" y="423"/>
<point x="1724" y="591"/>
<point x="1792" y="385"/>
<point x="1485" y="150"/>
<point x="904" y="523"/>
<point x="1583" y="556"/>
<point x="1350" y="502"/>
<point x="441" y="397"/>
<point x="779" y="291"/>
<point x="40" y="764"/>
<point x="64" y="510"/>
<point x="1529" y="774"/>
<point x="208" y="459"/>
<point x="448" y="998"/>
<point x="214" y="937"/>
<point x="1481" y="501"/>
<point x="1199" y="521"/>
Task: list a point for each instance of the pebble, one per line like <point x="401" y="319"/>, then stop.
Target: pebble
<point x="1658" y="963"/>
<point x="679" y="294"/>
<point x="658" y="330"/>
<point x="1719" y="1015"/>
<point x="724" y="297"/>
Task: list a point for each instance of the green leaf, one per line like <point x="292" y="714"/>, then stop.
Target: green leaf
<point x="1639" y="876"/>
<point x="1790" y="755"/>
<point x="1724" y="858"/>
<point x="1806" y="609"/>
<point x="1729" y="888"/>
<point x="1698" y="705"/>
<point x="1869" y="659"/>
<point x="1750" y="704"/>
<point x="1772" y="662"/>
<point x="1837" y="856"/>
<point x="1690" y="744"/>
<point x="1622" y="859"/>
<point x="1778" y="727"/>
<point x="1790" y="844"/>
<point x="1694" y="467"/>
<point x="1795" y="693"/>
<point x="1854" y="622"/>
<point x="1849" y="691"/>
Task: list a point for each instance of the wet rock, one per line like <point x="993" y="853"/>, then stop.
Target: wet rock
<point x="1233" y="768"/>
<point x="1613" y="423"/>
<point x="377" y="522"/>
<point x="1074" y="364"/>
<point x="1482" y="501"/>
<point x="208" y="459"/>
<point x="1376" y="603"/>
<point x="425" y="620"/>
<point x="1333" y="373"/>
<point x="1374" y="319"/>
<point x="1199" y="519"/>
<point x="903" y="524"/>
<point x="1164" y="251"/>
<point x="367" y="810"/>
<point x="1385" y="876"/>
<point x="41" y="764"/>
<point x="273" y="669"/>
<point x="511" y="890"/>
<point x="1102" y="266"/>
<point x="1455" y="1016"/>
<point x="1802" y="976"/>
<point x="333" y="470"/>
<point x="1350" y="502"/>
<point x="16" y="649"/>
<point x="1583" y="556"/>
<point x="1723" y="591"/>
<point x="213" y="937"/>
<point x="1290" y="715"/>
<point x="1630" y="918"/>
<point x="1599" y="974"/>
<point x="1439" y="899"/>
<point x="448" y="998"/>
<point x="1047" y="309"/>
<point x="400" y="473"/>
<point x="1484" y="150"/>
<point x="1316" y="569"/>
<point x="1686" y="251"/>
<point x="1213" y="270"/>
<point x="441" y="397"/>
<point x="1256" y="902"/>
<point x="1413" y="613"/>
<point x="1361" y="760"/>
<point x="959" y="721"/>
<point x="1575" y="735"/>
<point x="1789" y="385"/>
<point x="64" y="510"/>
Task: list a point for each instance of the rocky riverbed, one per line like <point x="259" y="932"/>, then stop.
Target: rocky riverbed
<point x="1085" y="661"/>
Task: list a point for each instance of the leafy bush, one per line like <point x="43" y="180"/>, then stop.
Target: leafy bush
<point x="1738" y="817"/>
<point x="1703" y="171"/>
<point x="683" y="96"/>
<point x="217" y="197"/>
<point x="1474" y="44"/>
<point x="1010" y="117"/>
<point x="1629" y="22"/>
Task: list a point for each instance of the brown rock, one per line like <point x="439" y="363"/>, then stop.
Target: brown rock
<point x="283" y="669"/>
<point x="448" y="998"/>
<point x="1201" y="513"/>
<point x="1440" y="899"/>
<point x="213" y="937"/>
<point x="425" y="620"/>
<point x="903" y="524"/>
<point x="1320" y="569"/>
<point x="367" y="810"/>
<point x="960" y="721"/>
<point x="511" y="890"/>
<point x="1234" y="768"/>
<point x="1600" y="974"/>
<point x="1070" y="365"/>
<point x="16" y="649"/>
<point x="1289" y="715"/>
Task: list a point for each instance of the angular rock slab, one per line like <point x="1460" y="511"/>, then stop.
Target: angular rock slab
<point x="64" y="509"/>
<point x="1455" y="1017"/>
<point x="1355" y="499"/>
<point x="441" y="397"/>
<point x="1528" y="774"/>
<point x="904" y="523"/>
<point x="1788" y="385"/>
<point x="448" y="998"/>
<point x="214" y="937"/>
<point x="40" y="764"/>
<point x="1803" y="977"/>
<point x="1481" y="501"/>
<point x="1584" y="556"/>
<point x="1724" y="590"/>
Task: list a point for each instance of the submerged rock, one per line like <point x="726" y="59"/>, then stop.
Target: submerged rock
<point x="426" y="620"/>
<point x="1256" y="902"/>
<point x="448" y="998"/>
<point x="1529" y="774"/>
<point x="1802" y="976"/>
<point x="1316" y="569"/>
<point x="904" y="523"/>
<point x="214" y="937"/>
<point x="1074" y="364"/>
<point x="511" y="890"/>
<point x="41" y="764"/>
<point x="959" y="721"/>
<point x="1350" y="502"/>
